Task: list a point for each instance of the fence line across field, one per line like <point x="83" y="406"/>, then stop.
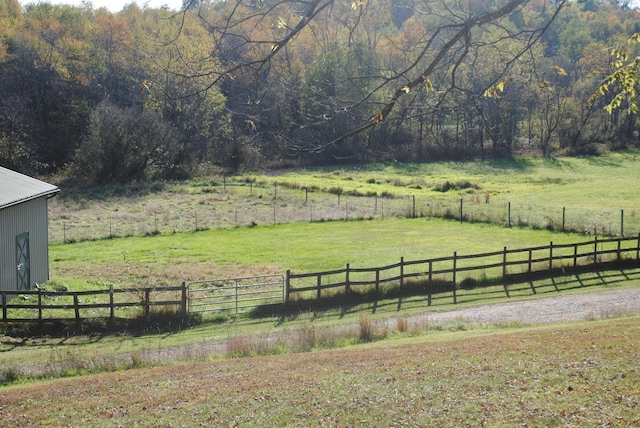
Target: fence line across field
<point x="236" y="295"/>
<point x="79" y="305"/>
<point x="260" y="205"/>
<point x="446" y="270"/>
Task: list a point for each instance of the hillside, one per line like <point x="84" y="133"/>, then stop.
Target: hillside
<point x="581" y="374"/>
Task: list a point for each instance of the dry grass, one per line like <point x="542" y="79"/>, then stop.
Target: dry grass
<point x="574" y="376"/>
<point x="402" y="324"/>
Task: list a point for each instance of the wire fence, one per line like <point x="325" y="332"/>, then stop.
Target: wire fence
<point x="244" y="205"/>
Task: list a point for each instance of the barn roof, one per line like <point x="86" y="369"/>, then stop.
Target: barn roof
<point x="16" y="188"/>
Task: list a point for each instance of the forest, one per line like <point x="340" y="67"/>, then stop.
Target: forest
<point x="94" y="97"/>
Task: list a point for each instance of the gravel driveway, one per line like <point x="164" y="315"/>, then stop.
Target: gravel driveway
<point x="564" y="307"/>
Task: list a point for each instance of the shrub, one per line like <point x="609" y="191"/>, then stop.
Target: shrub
<point x="9" y="375"/>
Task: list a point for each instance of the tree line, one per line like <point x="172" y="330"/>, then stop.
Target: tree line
<point x="98" y="97"/>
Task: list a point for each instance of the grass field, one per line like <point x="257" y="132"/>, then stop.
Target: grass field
<point x="572" y="375"/>
<point x="596" y="195"/>
<point x="580" y="375"/>
<point x="168" y="259"/>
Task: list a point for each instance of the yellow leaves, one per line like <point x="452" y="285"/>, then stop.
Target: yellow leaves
<point x="603" y="89"/>
<point x="428" y="84"/>
<point x="634" y="39"/>
<point x="622" y="56"/>
<point x="495" y="90"/>
<point x="559" y="70"/>
<point x="378" y="118"/>
<point x="406" y="89"/>
<point x="356" y="4"/>
<point x="282" y="23"/>
<point x="545" y="85"/>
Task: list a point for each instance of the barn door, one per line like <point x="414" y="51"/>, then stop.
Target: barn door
<point x="22" y="256"/>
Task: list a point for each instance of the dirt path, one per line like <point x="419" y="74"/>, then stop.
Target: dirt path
<point x="564" y="307"/>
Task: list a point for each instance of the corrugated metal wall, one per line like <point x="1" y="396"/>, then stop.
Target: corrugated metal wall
<point x="30" y="216"/>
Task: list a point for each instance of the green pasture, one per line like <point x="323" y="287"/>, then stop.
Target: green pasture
<point x="586" y="185"/>
<point x="169" y="259"/>
<point x="586" y="195"/>
<point x="578" y="181"/>
<point x="593" y="191"/>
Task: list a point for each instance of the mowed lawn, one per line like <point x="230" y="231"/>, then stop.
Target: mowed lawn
<point x="580" y="375"/>
<point x="168" y="259"/>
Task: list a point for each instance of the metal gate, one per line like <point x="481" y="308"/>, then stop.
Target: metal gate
<point x="235" y="295"/>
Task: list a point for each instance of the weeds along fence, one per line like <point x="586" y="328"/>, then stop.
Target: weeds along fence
<point x="39" y="305"/>
<point x="448" y="274"/>
<point x="247" y="204"/>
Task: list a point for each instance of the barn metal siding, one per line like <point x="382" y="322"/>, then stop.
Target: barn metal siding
<point x="31" y="217"/>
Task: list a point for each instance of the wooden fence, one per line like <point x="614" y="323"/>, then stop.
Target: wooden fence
<point x="436" y="272"/>
<point x="37" y="305"/>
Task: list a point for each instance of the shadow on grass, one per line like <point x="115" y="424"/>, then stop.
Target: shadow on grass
<point x="469" y="290"/>
<point x="97" y="328"/>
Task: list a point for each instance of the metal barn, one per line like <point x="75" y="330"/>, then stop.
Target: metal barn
<point x="24" y="232"/>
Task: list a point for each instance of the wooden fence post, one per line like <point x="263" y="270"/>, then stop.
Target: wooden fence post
<point x="551" y="255"/>
<point x="147" y="292"/>
<point x="377" y="281"/>
<point x="575" y="255"/>
<point x="347" y="285"/>
<point x="595" y="250"/>
<point x="622" y="223"/>
<point x="455" y="259"/>
<point x="460" y="210"/>
<point x="564" y="209"/>
<point x="185" y="309"/>
<point x="618" y="250"/>
<point x="504" y="263"/>
<point x="112" y="309"/>
<point x="75" y="307"/>
<point x="319" y="285"/>
<point x="287" y="286"/>
<point x="401" y="271"/>
<point x="530" y="258"/>
<point x="4" y="306"/>
<point x="39" y="305"/>
<point x="509" y="214"/>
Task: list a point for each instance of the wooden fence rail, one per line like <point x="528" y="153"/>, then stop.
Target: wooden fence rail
<point x="436" y="273"/>
<point x="55" y="302"/>
<point x="500" y="264"/>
